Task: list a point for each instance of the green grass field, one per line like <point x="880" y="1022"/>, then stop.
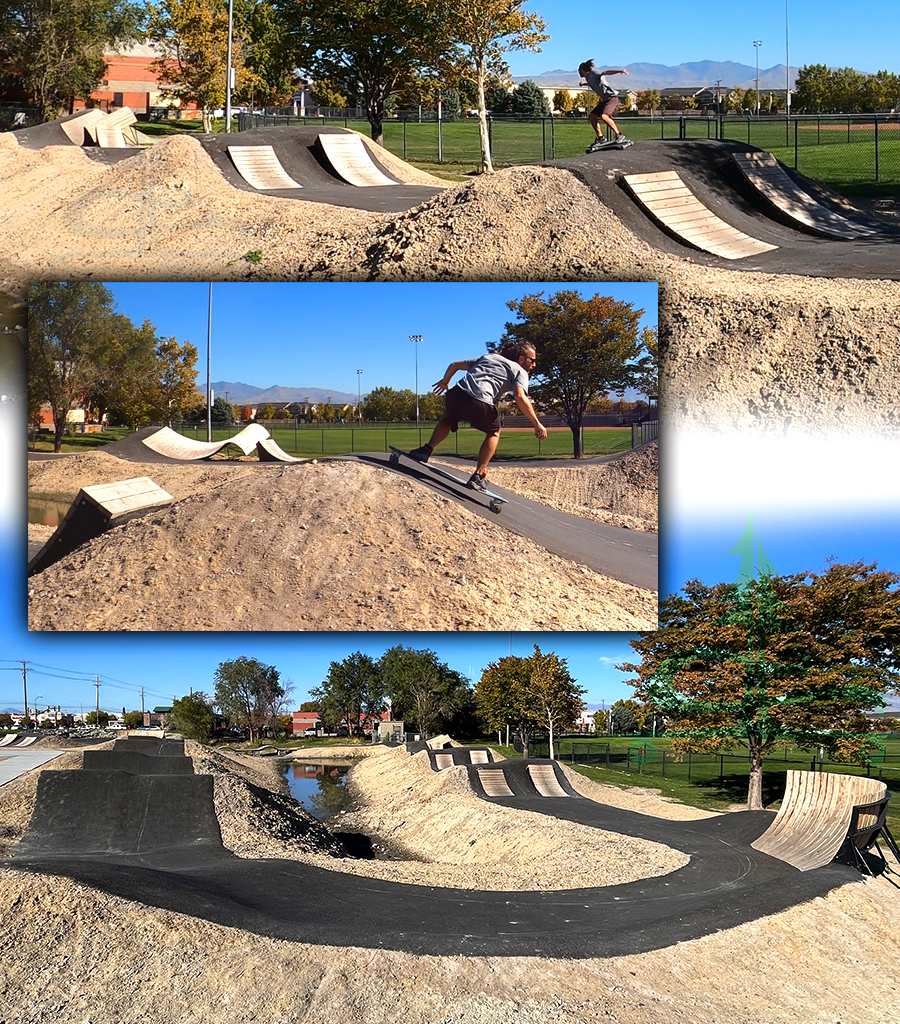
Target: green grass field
<point x="705" y="781"/>
<point x="311" y="442"/>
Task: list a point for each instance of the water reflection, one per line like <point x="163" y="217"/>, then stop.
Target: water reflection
<point x="319" y="788"/>
<point x="46" y="512"/>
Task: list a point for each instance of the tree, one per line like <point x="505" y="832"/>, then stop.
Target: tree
<point x="498" y="99"/>
<point x="51" y="51"/>
<point x="175" y="381"/>
<point x="248" y="693"/>
<point x="328" y="94"/>
<point x="100" y="718"/>
<point x="502" y="698"/>
<point x="623" y="717"/>
<point x="646" y="378"/>
<point x="368" y="48"/>
<point x="483" y="31"/>
<point x="193" y="716"/>
<point x="562" y="101"/>
<point x="530" y="101"/>
<point x="133" y="719"/>
<point x="423" y="689"/>
<point x="310" y="706"/>
<point x="6" y="720"/>
<point x="126" y="364"/>
<point x="649" y="99"/>
<point x="812" y="89"/>
<point x="352" y="694"/>
<point x="797" y="657"/>
<point x="585" y="347"/>
<point x="555" y="692"/>
<point x="68" y="328"/>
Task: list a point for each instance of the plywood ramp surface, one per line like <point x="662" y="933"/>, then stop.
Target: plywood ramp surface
<point x="480" y="757"/>
<point x="545" y="781"/>
<point x="494" y="782"/>
<point x="352" y="161"/>
<point x="175" y="446"/>
<point x="815" y="817"/>
<point x="76" y="127"/>
<point x="668" y="200"/>
<point x="769" y="177"/>
<point x="443" y="761"/>
<point x="260" y="167"/>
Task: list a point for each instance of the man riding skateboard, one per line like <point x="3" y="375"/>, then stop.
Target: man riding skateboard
<point x="474" y="398"/>
<point x="597" y="83"/>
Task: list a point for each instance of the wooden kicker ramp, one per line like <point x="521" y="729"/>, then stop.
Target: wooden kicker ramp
<point x="672" y="204"/>
<point x="771" y="180"/>
<point x="825" y="815"/>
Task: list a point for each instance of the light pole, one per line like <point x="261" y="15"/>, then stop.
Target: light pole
<point x="209" y="368"/>
<point x="787" y="61"/>
<point x="359" y="395"/>
<point x="229" y="71"/>
<point x="36" y="699"/>
<point x="415" y="339"/>
<point x="757" y="43"/>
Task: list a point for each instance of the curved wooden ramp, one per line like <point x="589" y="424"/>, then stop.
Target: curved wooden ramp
<point x="670" y="202"/>
<point x="819" y="813"/>
<point x="166" y="441"/>
<point x="493" y="781"/>
<point x="545" y="781"/>
<point x="268" y="450"/>
<point x="260" y="167"/>
<point x="10" y="737"/>
<point x="768" y="176"/>
<point x="351" y="161"/>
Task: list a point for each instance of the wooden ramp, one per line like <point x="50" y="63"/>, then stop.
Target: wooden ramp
<point x="76" y="127"/>
<point x="819" y="813"/>
<point x="176" y="446"/>
<point x="260" y="167"/>
<point x="670" y="202"/>
<point x="443" y="761"/>
<point x="110" y="136"/>
<point x="769" y="177"/>
<point x="545" y="781"/>
<point x="10" y="737"/>
<point x="494" y="782"/>
<point x="480" y="757"/>
<point x="95" y="510"/>
<point x="268" y="450"/>
<point x="351" y="161"/>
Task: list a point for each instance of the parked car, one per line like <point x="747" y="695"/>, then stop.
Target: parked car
<point x="311" y="731"/>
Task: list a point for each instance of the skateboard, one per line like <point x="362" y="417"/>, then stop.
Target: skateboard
<point x="595" y="147"/>
<point x="495" y="503"/>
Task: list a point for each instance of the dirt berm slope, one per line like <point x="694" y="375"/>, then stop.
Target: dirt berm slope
<point x="336" y="546"/>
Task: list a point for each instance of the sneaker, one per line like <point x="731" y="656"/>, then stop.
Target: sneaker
<point x="477" y="482"/>
<point x="421" y="454"/>
<point x="597" y="144"/>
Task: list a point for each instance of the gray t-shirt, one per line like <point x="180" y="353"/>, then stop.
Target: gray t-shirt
<point x="599" y="84"/>
<point x="493" y="375"/>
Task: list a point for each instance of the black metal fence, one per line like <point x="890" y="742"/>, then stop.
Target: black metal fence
<point x="841" y="149"/>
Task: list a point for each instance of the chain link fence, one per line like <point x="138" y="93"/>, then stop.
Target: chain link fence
<point x="839" y="149"/>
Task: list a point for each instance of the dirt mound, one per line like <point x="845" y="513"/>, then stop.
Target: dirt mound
<point x="624" y="492"/>
<point x="435" y="817"/>
<point x="336" y="545"/>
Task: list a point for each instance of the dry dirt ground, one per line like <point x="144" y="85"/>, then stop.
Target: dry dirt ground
<point x="335" y="545"/>
<point x="72" y="954"/>
<point x="742" y="349"/>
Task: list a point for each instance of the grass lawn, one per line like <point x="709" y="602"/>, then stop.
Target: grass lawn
<point x="72" y="443"/>
<point x="311" y="442"/>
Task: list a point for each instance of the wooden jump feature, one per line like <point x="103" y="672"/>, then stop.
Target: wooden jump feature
<point x="493" y="781"/>
<point x="672" y="204"/>
<point x="825" y="815"/>
<point x="260" y="167"/>
<point x="769" y="177"/>
<point x="545" y="781"/>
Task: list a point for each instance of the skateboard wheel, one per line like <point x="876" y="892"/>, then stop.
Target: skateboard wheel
<point x="495" y="507"/>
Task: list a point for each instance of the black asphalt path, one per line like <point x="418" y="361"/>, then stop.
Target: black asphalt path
<point x="629" y="556"/>
<point x="705" y="167"/>
<point x="296" y="148"/>
<point x="155" y="839"/>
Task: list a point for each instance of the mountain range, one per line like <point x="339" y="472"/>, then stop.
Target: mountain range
<point x="248" y="394"/>
<point x="700" y="74"/>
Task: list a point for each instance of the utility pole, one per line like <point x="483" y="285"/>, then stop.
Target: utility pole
<point x="25" y="687"/>
<point x="416" y="339"/>
<point x="97" y="684"/>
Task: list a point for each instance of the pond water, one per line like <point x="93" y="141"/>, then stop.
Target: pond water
<point x="47" y="513"/>
<point x="319" y="788"/>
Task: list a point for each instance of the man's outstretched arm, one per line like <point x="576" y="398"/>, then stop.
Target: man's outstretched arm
<point x="524" y="403"/>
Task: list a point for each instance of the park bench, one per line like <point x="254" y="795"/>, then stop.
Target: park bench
<point x="826" y="816"/>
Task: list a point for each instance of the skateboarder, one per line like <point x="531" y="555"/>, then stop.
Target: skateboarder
<point x="596" y="82"/>
<point x="474" y="398"/>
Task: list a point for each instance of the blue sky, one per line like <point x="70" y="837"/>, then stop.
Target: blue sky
<point x="318" y="335"/>
<point x="658" y="32"/>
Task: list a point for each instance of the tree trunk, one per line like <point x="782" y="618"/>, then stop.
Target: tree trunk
<point x="577" y="453"/>
<point x="754" y="789"/>
<point x="486" y="164"/>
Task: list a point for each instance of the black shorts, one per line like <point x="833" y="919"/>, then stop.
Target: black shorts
<point x="460" y="405"/>
<point x="606" y="106"/>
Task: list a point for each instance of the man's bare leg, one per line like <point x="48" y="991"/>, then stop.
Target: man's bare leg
<point x="486" y="452"/>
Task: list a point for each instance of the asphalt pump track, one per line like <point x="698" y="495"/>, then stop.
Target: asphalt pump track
<point x="707" y="168"/>
<point x="630" y="556"/>
<point x="123" y="827"/>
